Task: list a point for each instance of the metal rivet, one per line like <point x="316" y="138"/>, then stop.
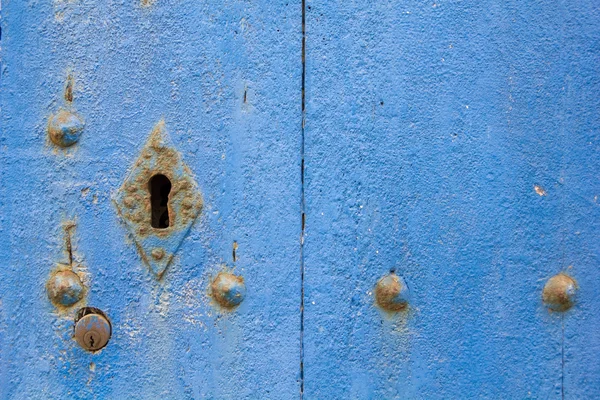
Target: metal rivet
<point x="65" y="288"/>
<point x="64" y="128"/>
<point x="228" y="290"/>
<point x="559" y="292"/>
<point x="187" y="203"/>
<point x="391" y="293"/>
<point x="158" y="253"/>
<point x="92" y="329"/>
<point x="129" y="202"/>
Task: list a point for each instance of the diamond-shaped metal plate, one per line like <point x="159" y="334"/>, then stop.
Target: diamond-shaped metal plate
<point x="158" y="157"/>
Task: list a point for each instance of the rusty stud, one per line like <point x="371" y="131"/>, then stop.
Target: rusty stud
<point x="391" y="293"/>
<point x="129" y="202"/>
<point x="559" y="292"/>
<point x="187" y="203"/>
<point x="65" y="288"/>
<point x="158" y="253"/>
<point x="92" y="329"/>
<point x="64" y="128"/>
<point x="228" y="290"/>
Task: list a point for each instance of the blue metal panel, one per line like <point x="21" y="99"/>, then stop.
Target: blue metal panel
<point x="226" y="79"/>
<point x="457" y="144"/>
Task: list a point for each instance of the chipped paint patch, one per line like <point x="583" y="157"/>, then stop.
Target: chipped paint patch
<point x="539" y="190"/>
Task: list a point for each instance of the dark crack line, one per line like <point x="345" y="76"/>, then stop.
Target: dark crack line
<point x="302" y="200"/>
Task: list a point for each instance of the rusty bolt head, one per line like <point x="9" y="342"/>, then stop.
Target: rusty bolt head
<point x="65" y="288"/>
<point x="228" y="290"/>
<point x="64" y="128"/>
<point x="158" y="253"/>
<point x="559" y="292"/>
<point x="391" y="293"/>
<point x="92" y="329"/>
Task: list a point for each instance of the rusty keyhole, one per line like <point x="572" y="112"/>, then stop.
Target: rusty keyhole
<point x="159" y="187"/>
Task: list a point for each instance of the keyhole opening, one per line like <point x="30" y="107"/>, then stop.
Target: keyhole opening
<point x="160" y="187"/>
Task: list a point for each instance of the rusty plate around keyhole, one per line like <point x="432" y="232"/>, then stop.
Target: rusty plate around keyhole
<point x="92" y="329"/>
<point x="158" y="238"/>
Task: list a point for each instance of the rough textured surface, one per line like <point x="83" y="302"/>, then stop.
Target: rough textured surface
<point x="457" y="143"/>
<point x="226" y="78"/>
<point x="157" y="246"/>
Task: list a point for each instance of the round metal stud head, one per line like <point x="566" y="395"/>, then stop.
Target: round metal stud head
<point x="65" y="288"/>
<point x="65" y="128"/>
<point x="391" y="293"/>
<point x="92" y="329"/>
<point x="228" y="290"/>
<point x="559" y="292"/>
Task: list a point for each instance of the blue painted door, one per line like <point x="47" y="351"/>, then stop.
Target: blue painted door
<point x="281" y="200"/>
<point x="455" y="143"/>
<point x="205" y="93"/>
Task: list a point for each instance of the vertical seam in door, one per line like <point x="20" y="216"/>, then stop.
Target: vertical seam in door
<point x="562" y="363"/>
<point x="302" y="202"/>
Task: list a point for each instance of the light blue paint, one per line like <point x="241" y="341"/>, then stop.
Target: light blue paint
<point x="428" y="124"/>
<point x="188" y="62"/>
<point x="428" y="128"/>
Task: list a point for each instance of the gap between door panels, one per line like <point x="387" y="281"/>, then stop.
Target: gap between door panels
<point x="302" y="202"/>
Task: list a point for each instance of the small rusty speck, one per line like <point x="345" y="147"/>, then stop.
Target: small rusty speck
<point x="69" y="89"/>
<point x="158" y="253"/>
<point x="559" y="292"/>
<point x="539" y="190"/>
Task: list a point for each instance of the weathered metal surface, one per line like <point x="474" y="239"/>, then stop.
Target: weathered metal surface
<point x="133" y="200"/>
<point x="391" y="293"/>
<point x="92" y="329"/>
<point x="459" y="142"/>
<point x="65" y="128"/>
<point x="225" y="76"/>
<point x="228" y="290"/>
<point x="559" y="292"/>
<point x="65" y="288"/>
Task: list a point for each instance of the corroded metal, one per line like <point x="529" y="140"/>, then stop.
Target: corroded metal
<point x="228" y="290"/>
<point x="559" y="292"/>
<point x="391" y="293"/>
<point x="65" y="288"/>
<point x="133" y="201"/>
<point x="65" y="128"/>
<point x="92" y="329"/>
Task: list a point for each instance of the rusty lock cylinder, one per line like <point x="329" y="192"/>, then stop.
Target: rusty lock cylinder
<point x="92" y="329"/>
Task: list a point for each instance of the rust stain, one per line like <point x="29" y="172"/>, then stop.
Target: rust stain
<point x="387" y="291"/>
<point x="69" y="89"/>
<point x="539" y="190"/>
<point x="134" y="199"/>
<point x="185" y="202"/>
